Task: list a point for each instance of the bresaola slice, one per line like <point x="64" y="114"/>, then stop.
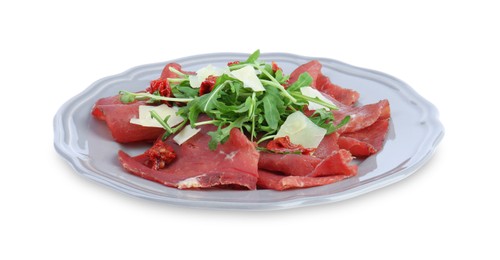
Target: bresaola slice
<point x="269" y="180"/>
<point x="323" y="84"/>
<point x="233" y="163"/>
<point x="337" y="163"/>
<point x="362" y="116"/>
<point x="117" y="117"/>
<point x="367" y="141"/>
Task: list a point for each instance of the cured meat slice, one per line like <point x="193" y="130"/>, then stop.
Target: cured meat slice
<point x="328" y="145"/>
<point x="289" y="164"/>
<point x="313" y="68"/>
<point x="233" y="163"/>
<point x="343" y="95"/>
<point x="337" y="163"/>
<point x="117" y="117"/>
<point x="107" y="101"/>
<point x="363" y="116"/>
<point x="367" y="141"/>
<point x="323" y="83"/>
<point x="306" y="165"/>
<point x="167" y="73"/>
<point x="269" y="180"/>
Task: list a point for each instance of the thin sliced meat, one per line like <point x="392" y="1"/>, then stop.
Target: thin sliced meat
<point x="322" y="83"/>
<point x="363" y="116"/>
<point x="233" y="163"/>
<point x="328" y="145"/>
<point x="313" y="68"/>
<point x="337" y="163"/>
<point x="167" y="73"/>
<point x="269" y="180"/>
<point x="343" y="95"/>
<point x="117" y="117"/>
<point x="107" y="101"/>
<point x="289" y="164"/>
<point x="306" y="165"/>
<point x="367" y="141"/>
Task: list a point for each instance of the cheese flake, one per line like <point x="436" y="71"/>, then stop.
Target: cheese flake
<point x="249" y="78"/>
<point x="185" y="134"/>
<point x="301" y="130"/>
<point x="314" y="93"/>
<point x="162" y="110"/>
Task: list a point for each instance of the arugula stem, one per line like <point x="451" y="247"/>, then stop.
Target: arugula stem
<point x="273" y="82"/>
<point x="213" y="94"/>
<point x="265" y="138"/>
<point x="276" y="84"/>
<point x="241" y="65"/>
<point x="254" y="103"/>
<point x="163" y="122"/>
<point x="206" y="122"/>
<point x="155" y="97"/>
<point x="174" y="70"/>
<point x="176" y="80"/>
<point x="315" y="100"/>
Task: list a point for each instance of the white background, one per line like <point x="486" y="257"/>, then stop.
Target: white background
<point x="447" y="50"/>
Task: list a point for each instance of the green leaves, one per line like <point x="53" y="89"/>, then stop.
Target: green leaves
<point x="324" y="118"/>
<point x="253" y="57"/>
<point x="271" y="113"/>
<point x="304" y="80"/>
<point x="230" y="105"/>
<point x="274" y="109"/>
<point x="222" y="133"/>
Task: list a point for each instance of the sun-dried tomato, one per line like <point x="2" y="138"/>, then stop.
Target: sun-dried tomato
<point x="208" y="85"/>
<point x="275" y="67"/>
<point x="233" y="63"/>
<point x="162" y="87"/>
<point x="160" y="155"/>
<point x="284" y="145"/>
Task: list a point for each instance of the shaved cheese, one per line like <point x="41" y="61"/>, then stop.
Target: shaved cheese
<point x="314" y="93"/>
<point x="249" y="78"/>
<point x="301" y="130"/>
<point x="162" y="110"/>
<point x="186" y="133"/>
<point x="196" y="80"/>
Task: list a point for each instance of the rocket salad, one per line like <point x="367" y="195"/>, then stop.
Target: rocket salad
<point x="251" y="95"/>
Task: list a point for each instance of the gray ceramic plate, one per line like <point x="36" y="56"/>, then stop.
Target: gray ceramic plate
<point x="414" y="133"/>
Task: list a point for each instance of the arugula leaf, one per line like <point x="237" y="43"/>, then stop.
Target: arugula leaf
<point x="271" y="113"/>
<point x="181" y="91"/>
<point x="325" y="119"/>
<point x="304" y="80"/>
<point x="222" y="133"/>
<point x="253" y="57"/>
<point x="280" y="77"/>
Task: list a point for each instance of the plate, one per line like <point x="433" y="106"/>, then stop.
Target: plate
<point x="414" y="133"/>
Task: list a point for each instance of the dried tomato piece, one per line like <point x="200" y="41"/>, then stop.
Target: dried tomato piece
<point x="160" y="155"/>
<point x="162" y="87"/>
<point x="284" y="145"/>
<point x="233" y="63"/>
<point x="208" y="85"/>
<point x="275" y="67"/>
